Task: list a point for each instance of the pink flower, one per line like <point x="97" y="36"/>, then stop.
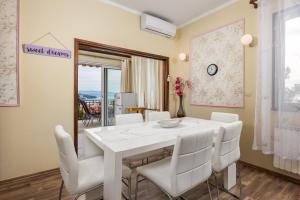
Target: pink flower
<point x="180" y="84"/>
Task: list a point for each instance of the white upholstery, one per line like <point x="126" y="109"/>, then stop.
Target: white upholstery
<point x="90" y="173"/>
<point x="189" y="166"/>
<point x="78" y="175"/>
<point x="224" y="117"/>
<point x="154" y="116"/>
<point x="91" y="149"/>
<point x="227" y="146"/>
<point x="130" y="118"/>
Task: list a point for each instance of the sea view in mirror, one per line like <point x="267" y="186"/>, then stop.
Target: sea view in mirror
<point x="89" y="83"/>
<point x="93" y="95"/>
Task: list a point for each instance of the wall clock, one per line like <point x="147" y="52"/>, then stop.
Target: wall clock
<point x="212" y="69"/>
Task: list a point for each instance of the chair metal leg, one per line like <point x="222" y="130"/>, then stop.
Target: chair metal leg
<point x="93" y="188"/>
<point x="170" y="197"/>
<point x="240" y="180"/>
<point x="61" y="189"/>
<point x="209" y="190"/>
<point x="127" y="183"/>
<point x="136" y="186"/>
<point x="129" y="188"/>
<point x="227" y="191"/>
<point x="217" y="185"/>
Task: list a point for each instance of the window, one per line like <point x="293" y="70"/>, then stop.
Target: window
<point x="286" y="69"/>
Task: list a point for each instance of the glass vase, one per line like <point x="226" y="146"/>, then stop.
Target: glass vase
<point x="180" y="112"/>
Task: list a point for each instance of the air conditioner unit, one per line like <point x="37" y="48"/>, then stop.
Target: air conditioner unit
<point x="158" y="26"/>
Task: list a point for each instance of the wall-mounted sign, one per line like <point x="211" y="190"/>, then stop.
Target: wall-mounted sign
<point x="46" y="51"/>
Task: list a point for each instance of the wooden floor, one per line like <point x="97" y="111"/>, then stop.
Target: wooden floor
<point x="256" y="185"/>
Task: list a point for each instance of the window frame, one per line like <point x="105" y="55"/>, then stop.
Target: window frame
<point x="278" y="22"/>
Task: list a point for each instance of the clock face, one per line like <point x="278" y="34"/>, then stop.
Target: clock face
<point x="212" y="69"/>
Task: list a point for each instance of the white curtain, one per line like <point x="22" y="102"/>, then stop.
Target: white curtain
<point x="147" y="82"/>
<point x="277" y="116"/>
<point x="125" y="76"/>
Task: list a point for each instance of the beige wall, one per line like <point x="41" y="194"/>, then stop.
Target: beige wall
<point x="26" y="133"/>
<point x="27" y="144"/>
<point x="239" y="10"/>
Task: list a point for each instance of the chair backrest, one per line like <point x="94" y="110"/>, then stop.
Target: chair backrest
<point x="68" y="162"/>
<point x="224" y="117"/>
<point x="227" y="146"/>
<point x="130" y="118"/>
<point x="154" y="116"/>
<point x="85" y="106"/>
<point x="191" y="160"/>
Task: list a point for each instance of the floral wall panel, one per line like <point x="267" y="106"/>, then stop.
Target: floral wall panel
<point x="222" y="47"/>
<point x="9" y="92"/>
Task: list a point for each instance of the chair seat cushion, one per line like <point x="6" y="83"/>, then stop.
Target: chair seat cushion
<point x="91" y="173"/>
<point x="159" y="172"/>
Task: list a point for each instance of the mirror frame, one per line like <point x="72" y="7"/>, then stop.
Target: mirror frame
<point x="80" y="44"/>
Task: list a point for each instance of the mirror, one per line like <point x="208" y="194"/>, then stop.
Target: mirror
<point x="111" y="81"/>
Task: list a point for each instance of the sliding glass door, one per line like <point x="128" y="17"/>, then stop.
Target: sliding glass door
<point x="97" y="86"/>
<point x="111" y="85"/>
<point x="89" y="96"/>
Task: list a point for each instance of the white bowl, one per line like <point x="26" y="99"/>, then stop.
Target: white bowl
<point x="169" y="123"/>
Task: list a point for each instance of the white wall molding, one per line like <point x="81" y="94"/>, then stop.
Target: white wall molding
<point x="208" y="13"/>
<point x="136" y="12"/>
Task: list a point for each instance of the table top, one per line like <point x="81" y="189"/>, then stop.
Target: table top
<point x="142" y="137"/>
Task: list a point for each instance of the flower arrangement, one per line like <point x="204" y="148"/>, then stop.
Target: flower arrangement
<point x="180" y="85"/>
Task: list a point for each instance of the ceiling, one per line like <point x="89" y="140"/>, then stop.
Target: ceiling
<point x="178" y="12"/>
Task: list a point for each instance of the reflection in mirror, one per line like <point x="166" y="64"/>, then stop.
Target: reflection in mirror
<point x="109" y="85"/>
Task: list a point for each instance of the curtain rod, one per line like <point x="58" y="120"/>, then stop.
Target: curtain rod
<point x="103" y="57"/>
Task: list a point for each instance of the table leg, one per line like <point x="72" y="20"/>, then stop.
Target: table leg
<point x="112" y="176"/>
<point x="230" y="176"/>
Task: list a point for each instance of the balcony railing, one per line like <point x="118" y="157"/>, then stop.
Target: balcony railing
<point x="95" y="105"/>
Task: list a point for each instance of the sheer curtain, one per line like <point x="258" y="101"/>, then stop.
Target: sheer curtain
<point x="277" y="116"/>
<point x="147" y="82"/>
<point x="125" y="76"/>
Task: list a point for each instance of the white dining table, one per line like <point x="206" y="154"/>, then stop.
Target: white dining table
<point x="122" y="141"/>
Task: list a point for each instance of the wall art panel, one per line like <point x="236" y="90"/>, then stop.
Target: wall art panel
<point x="223" y="48"/>
<point x="9" y="69"/>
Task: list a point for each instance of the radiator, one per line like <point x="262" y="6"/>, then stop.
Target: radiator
<point x="287" y="149"/>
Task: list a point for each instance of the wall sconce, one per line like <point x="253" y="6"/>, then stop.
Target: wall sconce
<point x="183" y="57"/>
<point x="248" y="40"/>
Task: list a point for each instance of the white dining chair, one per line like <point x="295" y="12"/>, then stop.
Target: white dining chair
<point x="224" y="117"/>
<point x="227" y="151"/>
<point x="130" y="118"/>
<point x="92" y="150"/>
<point x="155" y="116"/>
<point x="79" y="176"/>
<point x="133" y="161"/>
<point x="189" y="166"/>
